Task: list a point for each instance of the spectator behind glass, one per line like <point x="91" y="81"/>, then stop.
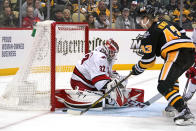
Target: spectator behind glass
<point x="58" y="15"/>
<point x="193" y="8"/>
<point x="69" y="7"/>
<point x="38" y="10"/>
<point x="124" y="4"/>
<point x="5" y="3"/>
<point x="115" y="5"/>
<point x="163" y="14"/>
<point x="125" y="21"/>
<point x="91" y="5"/>
<point x="29" y="21"/>
<point x="83" y="11"/>
<point x="171" y="6"/>
<point x="186" y="23"/>
<point x="7" y="18"/>
<point x="194" y="24"/>
<point x="1" y="4"/>
<point x="115" y="14"/>
<point x="101" y="8"/>
<point x="26" y="4"/>
<point x="176" y="12"/>
<point x="83" y="6"/>
<point x="102" y="22"/>
<point x="67" y="15"/>
<point x="90" y="20"/>
<point x="134" y="9"/>
<point x="154" y="3"/>
<point x="62" y="2"/>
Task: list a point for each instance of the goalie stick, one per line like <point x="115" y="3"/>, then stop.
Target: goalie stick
<point x="186" y="86"/>
<point x="79" y="112"/>
<point x="131" y="103"/>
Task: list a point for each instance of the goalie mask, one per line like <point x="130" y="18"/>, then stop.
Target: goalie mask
<point x="111" y="49"/>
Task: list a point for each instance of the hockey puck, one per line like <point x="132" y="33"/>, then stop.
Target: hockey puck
<point x="64" y="110"/>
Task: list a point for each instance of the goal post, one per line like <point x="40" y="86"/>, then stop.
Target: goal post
<point x="56" y="48"/>
<point x="53" y="51"/>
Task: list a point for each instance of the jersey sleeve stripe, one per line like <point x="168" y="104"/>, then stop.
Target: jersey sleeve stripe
<point x="148" y="60"/>
<point x="77" y="72"/>
<point x="146" y="65"/>
<point x="140" y="69"/>
<point x="100" y="78"/>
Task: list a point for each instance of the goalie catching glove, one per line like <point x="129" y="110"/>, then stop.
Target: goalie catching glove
<point x="116" y="75"/>
<point x="118" y="95"/>
<point x="112" y="83"/>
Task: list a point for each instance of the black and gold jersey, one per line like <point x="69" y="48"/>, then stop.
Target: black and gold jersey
<point x="162" y="37"/>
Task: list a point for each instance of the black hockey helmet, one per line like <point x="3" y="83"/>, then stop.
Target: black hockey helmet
<point x="148" y="11"/>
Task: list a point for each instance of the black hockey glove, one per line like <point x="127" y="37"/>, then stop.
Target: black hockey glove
<point x="136" y="70"/>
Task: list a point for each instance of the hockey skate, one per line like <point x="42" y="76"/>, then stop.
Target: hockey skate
<point x="169" y="111"/>
<point x="184" y="118"/>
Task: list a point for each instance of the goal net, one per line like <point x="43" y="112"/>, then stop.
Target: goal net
<point x="56" y="48"/>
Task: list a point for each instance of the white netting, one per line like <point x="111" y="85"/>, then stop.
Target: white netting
<point x="30" y="89"/>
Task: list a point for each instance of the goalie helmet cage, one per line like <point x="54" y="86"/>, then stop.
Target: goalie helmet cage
<point x="56" y="48"/>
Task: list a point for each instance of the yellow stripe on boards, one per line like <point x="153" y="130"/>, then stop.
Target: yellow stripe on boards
<point x="8" y="71"/>
<point x="12" y="71"/>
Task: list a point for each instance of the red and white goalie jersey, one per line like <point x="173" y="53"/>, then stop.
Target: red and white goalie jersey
<point x="93" y="76"/>
<point x="92" y="72"/>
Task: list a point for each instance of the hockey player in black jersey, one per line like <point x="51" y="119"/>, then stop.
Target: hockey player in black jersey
<point x="169" y="41"/>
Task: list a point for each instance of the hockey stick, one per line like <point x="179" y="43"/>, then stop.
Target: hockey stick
<point x="186" y="86"/>
<point x="79" y="112"/>
<point x="144" y="104"/>
<point x="187" y="82"/>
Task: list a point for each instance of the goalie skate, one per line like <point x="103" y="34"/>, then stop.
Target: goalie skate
<point x="184" y="118"/>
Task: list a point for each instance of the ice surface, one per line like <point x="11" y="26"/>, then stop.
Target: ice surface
<point x="125" y="119"/>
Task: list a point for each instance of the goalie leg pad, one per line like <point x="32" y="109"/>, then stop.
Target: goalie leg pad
<point x="136" y="94"/>
<point x="118" y="95"/>
<point x="130" y="94"/>
<point x="82" y="99"/>
<point x="76" y="98"/>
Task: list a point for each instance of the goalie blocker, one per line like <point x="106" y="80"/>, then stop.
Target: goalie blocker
<point x="68" y="98"/>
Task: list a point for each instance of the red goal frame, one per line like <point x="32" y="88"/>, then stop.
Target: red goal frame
<point x="53" y="54"/>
